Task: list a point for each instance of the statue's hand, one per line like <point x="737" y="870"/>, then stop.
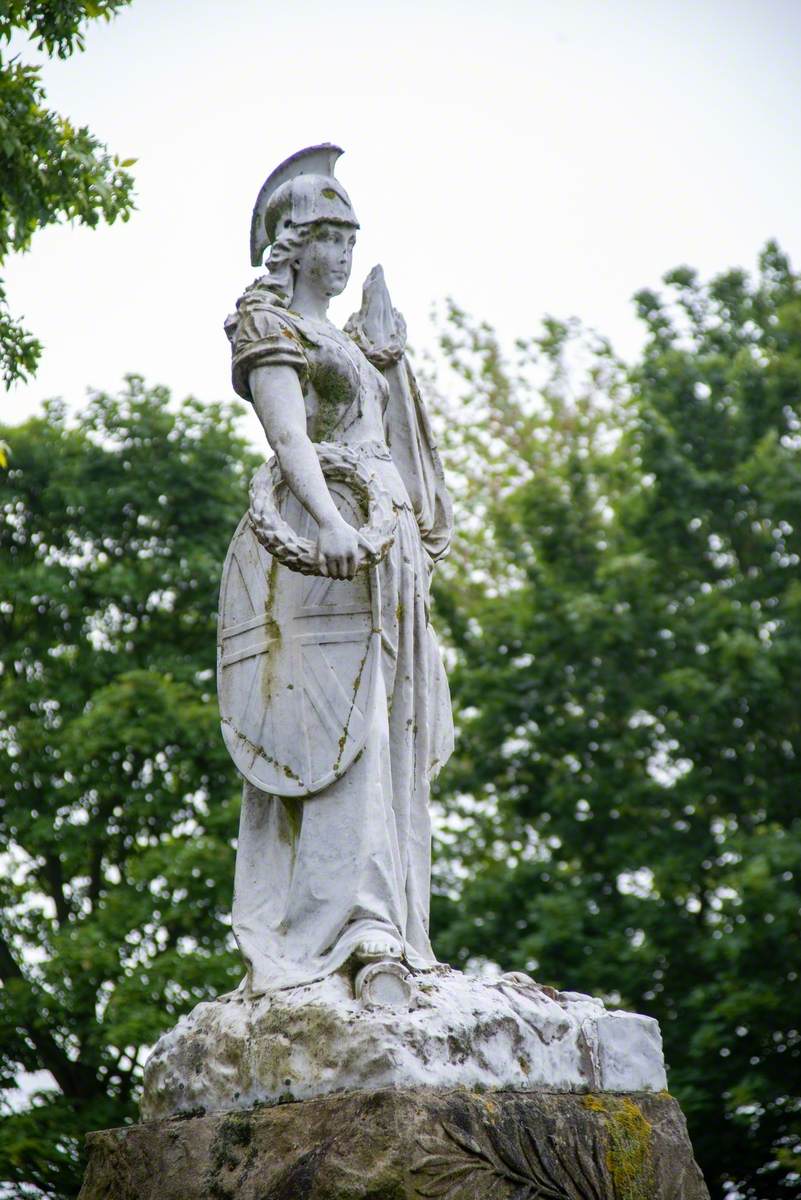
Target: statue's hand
<point x="338" y="547"/>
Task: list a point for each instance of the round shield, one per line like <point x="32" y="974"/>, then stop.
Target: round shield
<point x="297" y="660"/>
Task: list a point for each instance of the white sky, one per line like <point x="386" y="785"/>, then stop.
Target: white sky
<point x="523" y="157"/>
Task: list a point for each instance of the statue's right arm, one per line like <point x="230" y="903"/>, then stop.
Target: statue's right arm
<point x="279" y="405"/>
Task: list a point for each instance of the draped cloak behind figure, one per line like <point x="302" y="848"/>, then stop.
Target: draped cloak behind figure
<point x="317" y="876"/>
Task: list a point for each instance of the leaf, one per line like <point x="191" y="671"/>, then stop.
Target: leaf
<point x="486" y="1151"/>
<point x="464" y="1140"/>
<point x="52" y="171"/>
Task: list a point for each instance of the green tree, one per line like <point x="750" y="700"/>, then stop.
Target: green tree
<point x="624" y="607"/>
<point x="118" y="800"/>
<point x="50" y="171"/>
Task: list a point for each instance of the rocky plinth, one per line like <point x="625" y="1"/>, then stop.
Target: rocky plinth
<point x="450" y="1030"/>
<point x="408" y="1144"/>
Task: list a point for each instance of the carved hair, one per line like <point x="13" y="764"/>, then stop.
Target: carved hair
<point x="280" y="272"/>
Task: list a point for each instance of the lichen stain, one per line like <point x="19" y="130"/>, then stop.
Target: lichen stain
<point x="272" y="632"/>
<point x="262" y="753"/>
<point x="628" y="1156"/>
<point x="235" y="1132"/>
<point x="333" y="397"/>
<point x="293" y="811"/>
<point x="272" y="1042"/>
<point x="356" y="686"/>
<point x="231" y="1142"/>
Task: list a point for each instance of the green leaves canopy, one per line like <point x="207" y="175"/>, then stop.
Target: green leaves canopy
<point x="623" y="606"/>
<point x="117" y="798"/>
<point x="49" y="171"/>
<point x="625" y="609"/>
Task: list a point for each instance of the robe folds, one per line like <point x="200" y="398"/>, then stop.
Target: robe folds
<point x="350" y="864"/>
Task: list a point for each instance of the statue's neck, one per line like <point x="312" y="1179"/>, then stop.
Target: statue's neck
<point x="309" y="302"/>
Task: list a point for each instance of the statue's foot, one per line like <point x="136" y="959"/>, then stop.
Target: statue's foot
<point x="378" y="950"/>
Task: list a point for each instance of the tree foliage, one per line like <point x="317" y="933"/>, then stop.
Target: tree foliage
<point x="50" y="171"/>
<point x="117" y="798"/>
<point x="624" y="607"/>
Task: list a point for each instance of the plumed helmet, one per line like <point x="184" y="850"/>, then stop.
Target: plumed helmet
<point x="299" y="191"/>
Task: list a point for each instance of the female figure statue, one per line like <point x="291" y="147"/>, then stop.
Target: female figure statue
<point x="334" y="699"/>
<point x="335" y="709"/>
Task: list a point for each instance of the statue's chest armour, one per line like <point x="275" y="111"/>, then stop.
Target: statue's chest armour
<point x="297" y="661"/>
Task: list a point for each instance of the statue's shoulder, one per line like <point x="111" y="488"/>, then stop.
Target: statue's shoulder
<point x="260" y="313"/>
<point x="263" y="332"/>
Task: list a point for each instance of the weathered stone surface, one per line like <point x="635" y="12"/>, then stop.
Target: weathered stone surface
<point x="408" y="1144"/>
<point x="333" y="695"/>
<point x="455" y="1031"/>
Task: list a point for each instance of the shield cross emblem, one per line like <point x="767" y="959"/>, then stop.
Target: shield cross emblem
<point x="297" y="660"/>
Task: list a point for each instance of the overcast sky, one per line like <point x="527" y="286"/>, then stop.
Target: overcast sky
<point x="548" y="156"/>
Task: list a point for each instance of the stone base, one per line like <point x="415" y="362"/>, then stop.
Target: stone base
<point x="446" y="1030"/>
<point x="407" y="1144"/>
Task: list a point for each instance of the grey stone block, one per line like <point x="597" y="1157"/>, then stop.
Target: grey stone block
<point x="406" y="1145"/>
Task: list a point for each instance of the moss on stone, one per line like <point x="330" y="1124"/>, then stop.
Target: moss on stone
<point x="293" y="810"/>
<point x="629" y="1156"/>
<point x="232" y="1140"/>
<point x="333" y="396"/>
<point x="274" y="1059"/>
<point x="235" y="1132"/>
<point x="392" y="1144"/>
<point x="273" y="631"/>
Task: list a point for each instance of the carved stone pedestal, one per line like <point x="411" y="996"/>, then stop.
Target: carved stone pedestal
<point x="405" y="1144"/>
<point x="447" y="1031"/>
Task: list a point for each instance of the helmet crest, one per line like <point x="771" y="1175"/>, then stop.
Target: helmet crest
<point x="301" y="190"/>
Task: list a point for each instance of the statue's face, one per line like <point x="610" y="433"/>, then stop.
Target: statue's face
<point x="324" y="260"/>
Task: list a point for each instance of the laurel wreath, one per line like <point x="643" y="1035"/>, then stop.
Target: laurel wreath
<point x="339" y="463"/>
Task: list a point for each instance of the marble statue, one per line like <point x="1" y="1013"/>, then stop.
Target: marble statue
<point x="335" y="709"/>
<point x="334" y="701"/>
<point x="349" y="1063"/>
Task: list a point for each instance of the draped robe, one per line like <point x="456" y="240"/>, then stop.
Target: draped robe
<point x="352" y="863"/>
